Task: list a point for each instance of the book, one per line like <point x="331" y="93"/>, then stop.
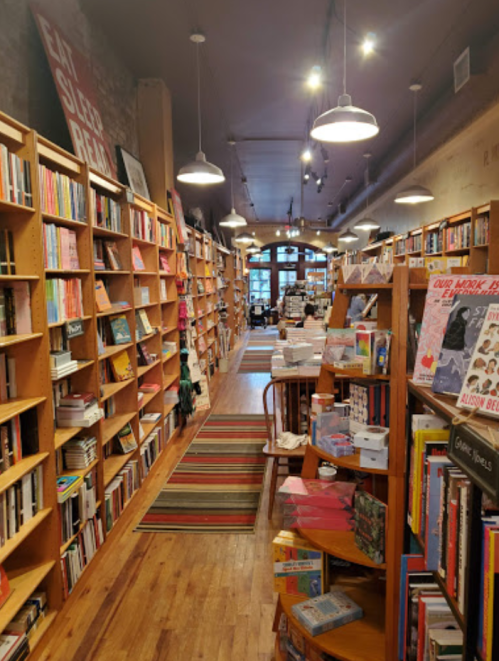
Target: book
<point x="126" y="439"/>
<point x="326" y="612"/>
<point x="4" y="586"/>
<point x="370" y="526"/>
<point x="438" y="305"/>
<point x="298" y="566"/>
<point x="101" y="297"/>
<point x="137" y="261"/>
<point x="121" y="366"/>
<point x="481" y="384"/>
<point x="113" y="255"/>
<point x="77" y="400"/>
<point x="66" y="484"/>
<point x="120" y="329"/>
<point x="143" y="325"/>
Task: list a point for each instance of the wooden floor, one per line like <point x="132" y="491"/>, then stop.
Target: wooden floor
<point x="159" y="597"/>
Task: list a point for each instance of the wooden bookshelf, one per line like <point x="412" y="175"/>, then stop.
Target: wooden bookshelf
<point x="32" y="557"/>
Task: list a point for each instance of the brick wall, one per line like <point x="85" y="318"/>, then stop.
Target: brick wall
<point x="27" y="90"/>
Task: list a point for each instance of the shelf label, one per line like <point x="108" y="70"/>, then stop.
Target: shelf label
<point x="74" y="328"/>
<point x="476" y="457"/>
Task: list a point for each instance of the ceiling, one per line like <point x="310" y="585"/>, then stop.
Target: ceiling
<point x="254" y="65"/>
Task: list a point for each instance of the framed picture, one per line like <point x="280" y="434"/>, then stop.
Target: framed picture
<point x="134" y="173"/>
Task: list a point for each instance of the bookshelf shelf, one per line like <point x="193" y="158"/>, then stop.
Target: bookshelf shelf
<point x="11" y="207"/>
<point x="82" y="364"/>
<point x="65" y="546"/>
<point x="357" y="641"/>
<point x="113" y="465"/>
<point x="9" y="340"/>
<point x="107" y="272"/>
<point x="148" y="397"/>
<point x="168" y="408"/>
<point x="24" y="531"/>
<point x="110" y="389"/>
<point x="111" y="312"/>
<point x="142" y="242"/>
<point x="102" y="231"/>
<point x="15" y="472"/>
<point x="352" y="462"/>
<point x="56" y="324"/>
<point x="67" y="272"/>
<point x="41" y="629"/>
<point x="63" y="435"/>
<point x="14" y="278"/>
<point x="139" y="273"/>
<point x="145" y="306"/>
<point x="143" y="369"/>
<point x="356" y="374"/>
<point x="167" y="358"/>
<point x="22" y="584"/>
<point x="80" y="471"/>
<point x="14" y="407"/>
<point x="148" y="427"/>
<point x="66" y="222"/>
<point x="111" y="426"/>
<point x="113" y="349"/>
<point x="450" y="600"/>
<point x="144" y="338"/>
<point x="169" y="380"/>
<point x="341" y="544"/>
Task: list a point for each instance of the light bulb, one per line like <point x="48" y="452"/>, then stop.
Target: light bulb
<point x="318" y="232"/>
<point x="278" y="233"/>
<point x="314" y="79"/>
<point x="368" y="44"/>
<point x="319" y="181"/>
<point x="306" y="176"/>
<point x="306" y="155"/>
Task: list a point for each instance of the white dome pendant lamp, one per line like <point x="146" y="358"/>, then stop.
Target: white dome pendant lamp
<point x="345" y="123"/>
<point x="414" y="193"/>
<point x="232" y="219"/>
<point x="200" y="171"/>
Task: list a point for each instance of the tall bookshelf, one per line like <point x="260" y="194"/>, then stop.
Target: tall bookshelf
<point x="375" y="635"/>
<point x="32" y="557"/>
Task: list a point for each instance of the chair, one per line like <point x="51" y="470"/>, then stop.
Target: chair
<point x="289" y="411"/>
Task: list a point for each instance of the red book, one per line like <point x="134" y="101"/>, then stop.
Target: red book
<point x="450" y="576"/>
<point x="77" y="400"/>
<point x="4" y="587"/>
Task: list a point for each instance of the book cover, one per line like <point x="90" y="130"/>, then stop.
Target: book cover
<point x="126" y="439"/>
<point x="441" y="292"/>
<point x="370" y="524"/>
<point x="113" y="255"/>
<point x="120" y="330"/>
<point x="326" y="612"/>
<point x="481" y="384"/>
<point x="121" y="366"/>
<point x="101" y="297"/>
<point x="340" y="344"/>
<point x="137" y="261"/>
<point x="65" y="486"/>
<point x="144" y="322"/>
<point x="433" y="503"/>
<point x="410" y="564"/>
<point x="4" y="586"/>
<point x="463" y="327"/>
<point x="298" y="566"/>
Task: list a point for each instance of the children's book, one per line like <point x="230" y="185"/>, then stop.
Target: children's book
<point x="441" y="292"/>
<point x="66" y="485"/>
<point x="298" y="566"/>
<point x="326" y="612"/>
<point x="481" y="384"/>
<point x="463" y="327"/>
<point x="101" y="297"/>
<point x="163" y="263"/>
<point x="137" y="261"/>
<point x="120" y="330"/>
<point x="370" y="525"/>
<point x="144" y="355"/>
<point x="126" y="439"/>
<point x="113" y="255"/>
<point x="143" y="323"/>
<point x="121" y="366"/>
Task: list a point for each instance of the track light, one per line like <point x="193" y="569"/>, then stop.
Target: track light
<point x="314" y="79"/>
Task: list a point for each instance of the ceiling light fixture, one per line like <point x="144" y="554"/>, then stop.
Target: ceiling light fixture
<point x="200" y="171"/>
<point x="318" y="233"/>
<point x="345" y="123"/>
<point x="348" y="237"/>
<point x="306" y="155"/>
<point x="367" y="224"/>
<point x="329" y="248"/>
<point x="278" y="233"/>
<point x="232" y="219"/>
<point x="314" y="79"/>
<point x="414" y="193"/>
<point x="244" y="237"/>
<point x="253" y="249"/>
<point x="368" y="44"/>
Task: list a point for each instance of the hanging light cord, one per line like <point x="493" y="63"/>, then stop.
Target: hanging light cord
<point x="231" y="179"/>
<point x="344" y="46"/>
<point x="415" y="124"/>
<point x="199" y="94"/>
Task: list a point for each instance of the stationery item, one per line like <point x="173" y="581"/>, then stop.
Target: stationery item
<point x="326" y="612"/>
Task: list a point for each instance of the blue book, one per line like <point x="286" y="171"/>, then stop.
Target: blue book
<point x="120" y="330"/>
<point x="435" y="468"/>
<point x="326" y="612"/>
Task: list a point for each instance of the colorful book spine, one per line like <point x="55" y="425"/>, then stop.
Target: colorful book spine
<point x="62" y="196"/>
<point x="106" y="212"/>
<point x="143" y="226"/>
<point x="64" y="299"/>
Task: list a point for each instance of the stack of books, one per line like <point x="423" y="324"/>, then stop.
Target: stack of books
<point x="61" y="364"/>
<point x="295" y="353"/>
<point x="78" y="410"/>
<point x="80" y="452"/>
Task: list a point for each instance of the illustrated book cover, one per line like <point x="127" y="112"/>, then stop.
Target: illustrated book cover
<point x="121" y="366"/>
<point x="126" y="439"/>
<point x="101" y="297"/>
<point x="326" y="612"/>
<point x="120" y="330"/>
<point x="370" y="526"/>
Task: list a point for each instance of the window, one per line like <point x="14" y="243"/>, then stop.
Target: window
<point x="312" y="256"/>
<point x="287" y="254"/>
<point x="316" y="280"/>
<point x="286" y="278"/>
<point x="259" y="284"/>
<point x="264" y="256"/>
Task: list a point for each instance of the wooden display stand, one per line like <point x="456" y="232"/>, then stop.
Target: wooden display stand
<point x="373" y="637"/>
<point x="32" y="557"/>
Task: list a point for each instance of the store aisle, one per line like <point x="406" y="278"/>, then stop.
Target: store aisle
<point x="165" y="597"/>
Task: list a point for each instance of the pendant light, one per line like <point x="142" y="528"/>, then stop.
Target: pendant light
<point x="253" y="249"/>
<point x="345" y="123"/>
<point x="414" y="194"/>
<point x="232" y="219"/>
<point x="244" y="237"/>
<point x="329" y="248"/>
<point x="200" y="171"/>
<point x="367" y="224"/>
<point x="348" y="237"/>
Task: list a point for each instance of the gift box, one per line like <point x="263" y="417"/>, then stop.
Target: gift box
<point x="372" y="438"/>
<point x="374" y="458"/>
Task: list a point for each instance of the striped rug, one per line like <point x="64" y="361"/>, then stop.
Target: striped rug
<point x="217" y="485"/>
<point x="257" y="359"/>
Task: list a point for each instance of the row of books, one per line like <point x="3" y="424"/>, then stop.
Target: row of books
<point x="119" y="491"/>
<point x="434" y="242"/>
<point x="77" y="453"/>
<point x="79" y="505"/>
<point x="8" y="379"/>
<point x="61" y="196"/>
<point x="458" y="236"/>
<point x="14" y="641"/>
<point x="20" y="503"/>
<point x="142" y="226"/>
<point x="482" y="229"/>
<point x="64" y="299"/>
<point x="15" y="309"/>
<point x="166" y="236"/>
<point x="150" y="450"/>
<point x="18" y="439"/>
<point x="7" y="257"/>
<point x="412" y="243"/>
<point x="15" y="178"/>
<point x="106" y="212"/>
<point x="370" y="403"/>
<point x="59" y="248"/>
<point x="78" y="409"/>
<point x="80" y="553"/>
<point x="106" y="256"/>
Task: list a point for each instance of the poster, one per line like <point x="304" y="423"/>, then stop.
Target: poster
<point x="74" y="84"/>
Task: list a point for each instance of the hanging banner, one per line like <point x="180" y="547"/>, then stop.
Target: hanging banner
<point x="74" y="84"/>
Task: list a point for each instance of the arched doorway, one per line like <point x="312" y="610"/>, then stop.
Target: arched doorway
<point x="276" y="267"/>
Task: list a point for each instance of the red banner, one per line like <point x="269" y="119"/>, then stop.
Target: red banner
<point x="74" y="84"/>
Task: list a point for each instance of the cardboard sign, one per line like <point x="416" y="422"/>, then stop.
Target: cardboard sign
<point x="74" y="85"/>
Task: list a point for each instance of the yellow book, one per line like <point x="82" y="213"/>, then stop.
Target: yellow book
<point x="121" y="366"/>
<point x="421" y="437"/>
<point x="298" y="566"/>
